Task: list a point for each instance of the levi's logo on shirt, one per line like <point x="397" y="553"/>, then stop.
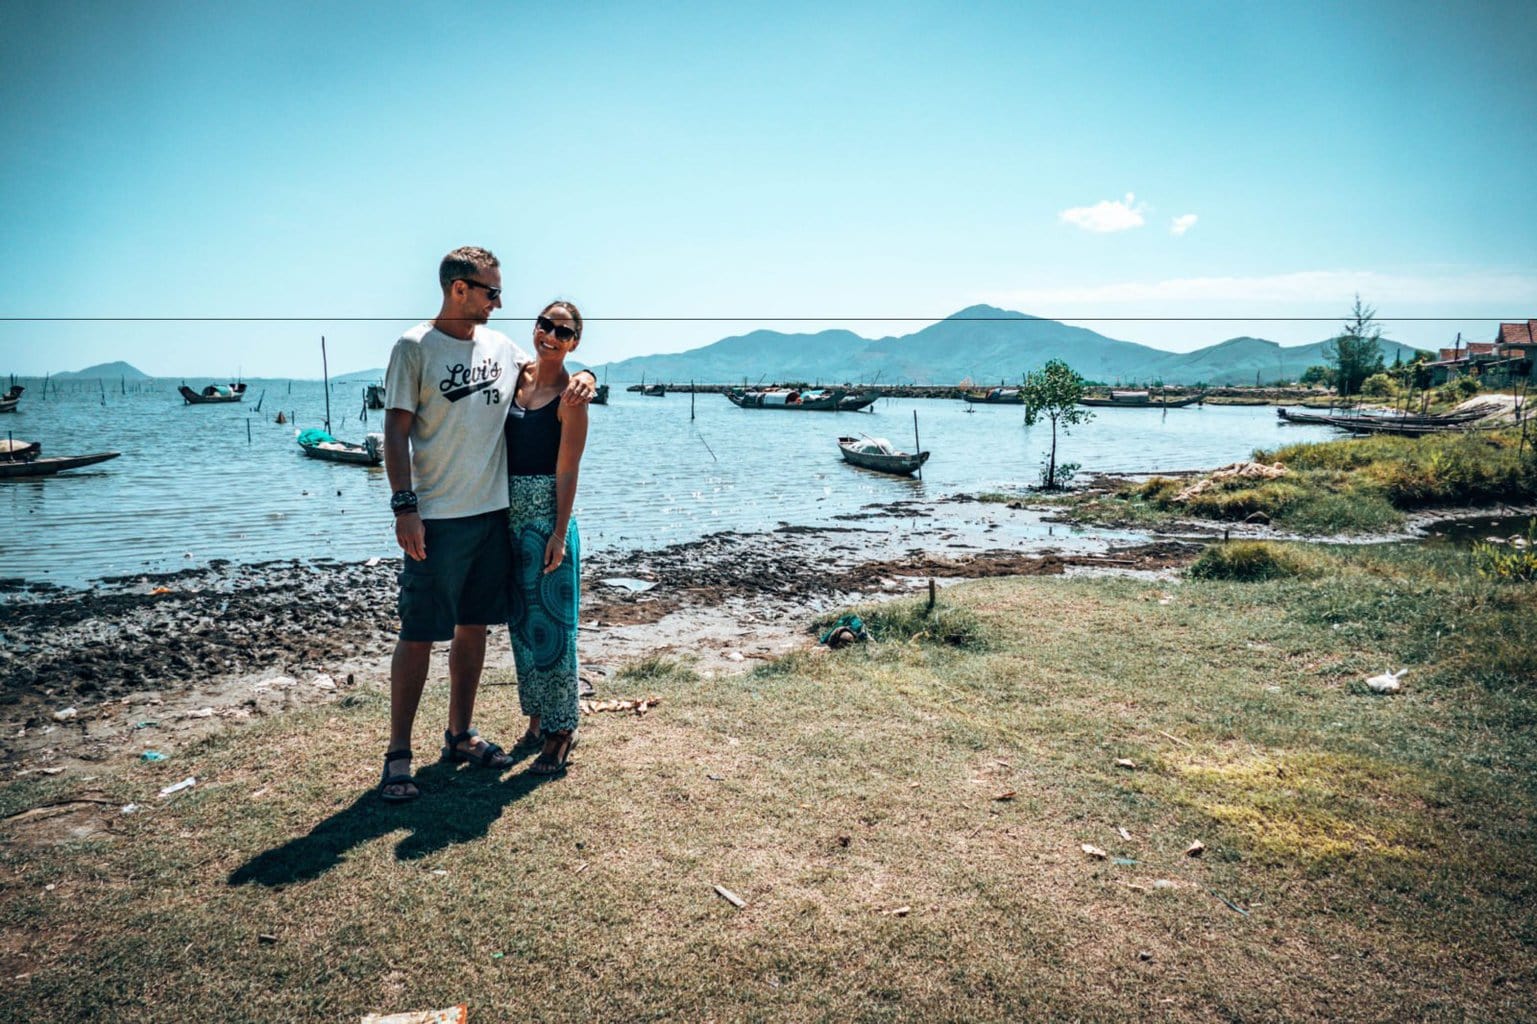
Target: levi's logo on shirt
<point x="463" y="381"/>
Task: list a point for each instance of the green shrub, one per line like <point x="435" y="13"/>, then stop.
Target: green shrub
<point x="1248" y="561"/>
<point x="909" y="621"/>
<point x="1379" y="385"/>
<point x="1516" y="563"/>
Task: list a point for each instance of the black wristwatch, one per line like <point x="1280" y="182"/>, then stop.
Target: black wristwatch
<point x="402" y="502"/>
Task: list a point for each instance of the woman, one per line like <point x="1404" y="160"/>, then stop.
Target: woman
<point x="545" y="439"/>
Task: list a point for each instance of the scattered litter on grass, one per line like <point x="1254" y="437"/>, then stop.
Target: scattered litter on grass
<point x="65" y="714"/>
<point x="1231" y="905"/>
<point x="1165" y="883"/>
<point x="130" y="808"/>
<point x="1195" y="849"/>
<point x="1171" y="736"/>
<point x="146" y="724"/>
<point x="735" y="656"/>
<point x="1007" y="794"/>
<point x="199" y="713"/>
<point x="1388" y="682"/>
<point x="640" y="707"/>
<point x="453" y="1015"/>
<point x="1094" y="851"/>
<point x="323" y="682"/>
<point x="266" y="938"/>
<point x="1125" y="762"/>
<point x="1144" y="955"/>
<point x="1124" y="862"/>
<point x="440" y="873"/>
<point x="898" y="911"/>
<point x="1123" y="833"/>
<point x="716" y="778"/>
<point x="177" y="787"/>
<point x="152" y="756"/>
<point x="730" y="897"/>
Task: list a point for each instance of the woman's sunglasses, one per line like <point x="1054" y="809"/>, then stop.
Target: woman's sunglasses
<point x="559" y="331"/>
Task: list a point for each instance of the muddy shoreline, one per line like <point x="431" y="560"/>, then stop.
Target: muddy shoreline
<point x="150" y="660"/>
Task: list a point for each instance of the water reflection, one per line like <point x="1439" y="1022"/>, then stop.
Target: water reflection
<point x="197" y="483"/>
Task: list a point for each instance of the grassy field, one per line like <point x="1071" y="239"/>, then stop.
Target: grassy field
<point x="1355" y="485"/>
<point x="904" y="820"/>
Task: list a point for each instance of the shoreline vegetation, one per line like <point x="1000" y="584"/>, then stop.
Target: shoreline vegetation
<point x="1141" y="781"/>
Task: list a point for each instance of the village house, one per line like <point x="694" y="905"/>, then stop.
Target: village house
<point x="1511" y="356"/>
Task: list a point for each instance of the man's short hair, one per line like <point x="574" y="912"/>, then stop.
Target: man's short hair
<point x="464" y="262"/>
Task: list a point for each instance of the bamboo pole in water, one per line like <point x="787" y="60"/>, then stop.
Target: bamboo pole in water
<point x="917" y="445"/>
<point x="326" y="370"/>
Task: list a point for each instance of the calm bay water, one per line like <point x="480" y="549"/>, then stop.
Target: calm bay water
<point x="190" y="487"/>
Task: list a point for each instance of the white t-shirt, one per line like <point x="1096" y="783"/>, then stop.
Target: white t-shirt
<point x="459" y="392"/>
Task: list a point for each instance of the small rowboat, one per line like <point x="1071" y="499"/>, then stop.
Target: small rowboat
<point x="213" y="394"/>
<point x="50" y="466"/>
<point x="317" y="444"/>
<point x="878" y="454"/>
<point x="10" y="398"/>
<point x="995" y="396"/>
<point x="1141" y="400"/>
<point x="805" y="401"/>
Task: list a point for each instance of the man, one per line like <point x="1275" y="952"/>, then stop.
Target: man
<point x="448" y="386"/>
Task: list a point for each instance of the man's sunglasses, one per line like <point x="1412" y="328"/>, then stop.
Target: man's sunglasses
<point x="560" y="331"/>
<point x="491" y="293"/>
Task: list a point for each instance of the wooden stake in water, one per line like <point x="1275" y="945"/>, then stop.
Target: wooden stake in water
<point x="326" y="370"/>
<point x="917" y="447"/>
<point x="692" y="394"/>
<point x="248" y="430"/>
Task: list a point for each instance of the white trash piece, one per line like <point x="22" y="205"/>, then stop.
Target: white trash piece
<point x="186" y="783"/>
<point x="1388" y="682"/>
<point x="65" y="714"/>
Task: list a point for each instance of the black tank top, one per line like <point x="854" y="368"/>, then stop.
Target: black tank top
<point x="533" y="440"/>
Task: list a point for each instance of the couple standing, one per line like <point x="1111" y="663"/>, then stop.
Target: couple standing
<point x="482" y="444"/>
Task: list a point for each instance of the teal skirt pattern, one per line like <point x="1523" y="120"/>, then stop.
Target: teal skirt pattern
<point x="542" y="607"/>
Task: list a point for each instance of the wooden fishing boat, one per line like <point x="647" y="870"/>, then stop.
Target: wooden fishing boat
<point x="318" y="444"/>
<point x="1140" y="400"/>
<point x="654" y="390"/>
<point x="1387" y="422"/>
<point x="878" y="454"/>
<point x="373" y="396"/>
<point x="788" y="398"/>
<point x="10" y="398"/>
<point x="854" y="403"/>
<point x="600" y="396"/>
<point x="995" y="396"/>
<point x="213" y="394"/>
<point x="11" y="470"/>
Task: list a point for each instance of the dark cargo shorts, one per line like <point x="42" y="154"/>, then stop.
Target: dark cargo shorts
<point x="461" y="582"/>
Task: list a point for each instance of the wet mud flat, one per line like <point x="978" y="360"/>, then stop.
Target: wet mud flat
<point x="135" y="660"/>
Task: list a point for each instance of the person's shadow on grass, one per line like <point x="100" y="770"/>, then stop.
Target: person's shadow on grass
<point x="456" y="806"/>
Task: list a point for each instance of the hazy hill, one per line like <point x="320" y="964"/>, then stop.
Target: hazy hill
<point x="105" y="371"/>
<point x="981" y="343"/>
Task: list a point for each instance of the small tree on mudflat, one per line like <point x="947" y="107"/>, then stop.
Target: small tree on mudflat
<point x="1357" y="352"/>
<point x="1053" y="392"/>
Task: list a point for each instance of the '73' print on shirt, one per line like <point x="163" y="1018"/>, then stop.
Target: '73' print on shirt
<point x="463" y="381"/>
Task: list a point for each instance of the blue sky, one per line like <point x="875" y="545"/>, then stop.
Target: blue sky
<point x="794" y="166"/>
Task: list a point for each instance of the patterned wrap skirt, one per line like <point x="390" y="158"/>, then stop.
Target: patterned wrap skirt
<point x="542" y="607"/>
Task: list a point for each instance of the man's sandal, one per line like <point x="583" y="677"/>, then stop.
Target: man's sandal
<point x="545" y="764"/>
<point x="386" y="780"/>
<point x="482" y="754"/>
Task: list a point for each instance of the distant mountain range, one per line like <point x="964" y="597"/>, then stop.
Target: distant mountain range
<point x="982" y="344"/>
<point x="106" y="371"/>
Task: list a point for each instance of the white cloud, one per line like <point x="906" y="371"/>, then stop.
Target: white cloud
<point x="1107" y="215"/>
<point x="1179" y="225"/>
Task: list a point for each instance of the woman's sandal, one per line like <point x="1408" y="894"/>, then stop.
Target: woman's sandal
<point x="485" y="755"/>
<point x="528" y="741"/>
<point x="544" y="764"/>
<point x="386" y="780"/>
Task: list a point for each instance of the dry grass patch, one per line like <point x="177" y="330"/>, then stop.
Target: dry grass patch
<point x="904" y="820"/>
